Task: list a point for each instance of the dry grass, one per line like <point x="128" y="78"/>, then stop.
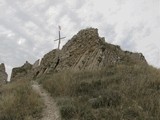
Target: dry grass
<point x="19" y="102"/>
<point x="120" y="92"/>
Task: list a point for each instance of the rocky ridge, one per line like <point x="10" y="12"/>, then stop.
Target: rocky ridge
<point x="85" y="51"/>
<point x="3" y="74"/>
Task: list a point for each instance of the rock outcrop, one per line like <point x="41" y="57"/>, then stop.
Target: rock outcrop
<point x="85" y="51"/>
<point x="3" y="74"/>
<point x="21" y="72"/>
<point x="36" y="64"/>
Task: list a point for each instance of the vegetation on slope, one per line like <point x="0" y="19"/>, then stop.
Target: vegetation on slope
<point x="19" y="102"/>
<point x="119" y="92"/>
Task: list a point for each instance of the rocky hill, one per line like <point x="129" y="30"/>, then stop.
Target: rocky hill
<point x="3" y="74"/>
<point x="85" y="51"/>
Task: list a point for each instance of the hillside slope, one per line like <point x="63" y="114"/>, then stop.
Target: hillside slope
<point x="94" y="80"/>
<point x="118" y="92"/>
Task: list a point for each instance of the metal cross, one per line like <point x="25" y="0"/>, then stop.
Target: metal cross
<point x="59" y="39"/>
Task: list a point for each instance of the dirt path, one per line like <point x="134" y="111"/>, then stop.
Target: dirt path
<point x="50" y="112"/>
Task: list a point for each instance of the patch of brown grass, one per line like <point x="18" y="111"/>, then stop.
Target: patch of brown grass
<point x="19" y="102"/>
<point x="120" y="92"/>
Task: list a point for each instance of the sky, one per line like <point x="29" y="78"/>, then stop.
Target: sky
<point x="28" y="27"/>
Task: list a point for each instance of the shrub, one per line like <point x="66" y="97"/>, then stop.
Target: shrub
<point x="67" y="111"/>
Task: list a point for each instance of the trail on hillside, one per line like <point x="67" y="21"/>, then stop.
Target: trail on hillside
<point x="50" y="111"/>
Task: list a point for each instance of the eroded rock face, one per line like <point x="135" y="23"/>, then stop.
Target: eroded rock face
<point x="82" y="51"/>
<point x="36" y="64"/>
<point x="3" y="74"/>
<point x="48" y="62"/>
<point x="85" y="51"/>
<point x="21" y="72"/>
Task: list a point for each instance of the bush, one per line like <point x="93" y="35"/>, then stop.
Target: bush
<point x="83" y="88"/>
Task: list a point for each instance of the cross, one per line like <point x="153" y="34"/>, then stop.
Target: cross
<point x="60" y="38"/>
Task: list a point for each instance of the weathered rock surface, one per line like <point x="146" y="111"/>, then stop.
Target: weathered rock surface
<point x="36" y="64"/>
<point x="3" y="74"/>
<point x="21" y="72"/>
<point x="85" y="51"/>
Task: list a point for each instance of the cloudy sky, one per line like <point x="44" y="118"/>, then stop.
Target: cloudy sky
<point x="28" y="27"/>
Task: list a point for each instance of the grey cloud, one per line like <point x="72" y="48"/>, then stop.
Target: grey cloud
<point x="120" y="2"/>
<point x="16" y="29"/>
<point x="25" y="16"/>
<point x="129" y="40"/>
<point x="71" y="13"/>
<point x="109" y="31"/>
<point x="152" y="53"/>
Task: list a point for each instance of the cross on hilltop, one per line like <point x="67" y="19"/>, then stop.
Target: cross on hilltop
<point x="60" y="38"/>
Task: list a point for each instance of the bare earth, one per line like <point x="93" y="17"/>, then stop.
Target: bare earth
<point x="50" y="112"/>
